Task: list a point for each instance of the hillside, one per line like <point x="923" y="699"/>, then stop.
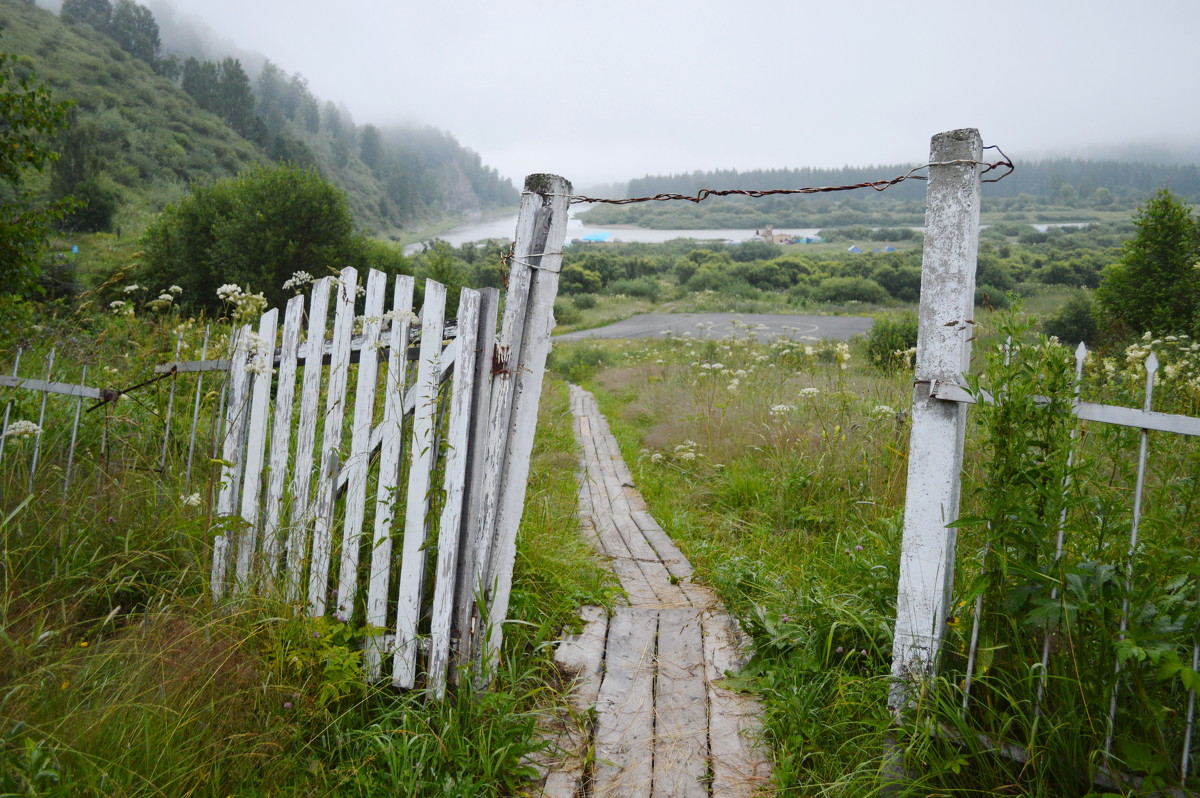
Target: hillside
<point x="138" y="139"/>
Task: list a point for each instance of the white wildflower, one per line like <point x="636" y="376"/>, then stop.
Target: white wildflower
<point x="115" y="307"/>
<point x="175" y="290"/>
<point x="297" y="281"/>
<point x="781" y="410"/>
<point x="192" y="500"/>
<point x="129" y="289"/>
<point x="808" y="392"/>
<point x="164" y="297"/>
<point x="229" y="292"/>
<point x="22" y="429"/>
<point x="883" y="410"/>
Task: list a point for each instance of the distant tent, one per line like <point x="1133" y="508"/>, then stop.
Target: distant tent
<point x="597" y="237"/>
<point x="855" y="250"/>
<point x="889" y="248"/>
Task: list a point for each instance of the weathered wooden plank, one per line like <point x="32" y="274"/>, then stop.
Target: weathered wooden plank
<point x="256" y="442"/>
<point x="74" y="437"/>
<point x="358" y="466"/>
<point x="944" y="337"/>
<point x="667" y="551"/>
<point x="450" y="526"/>
<point x="37" y="439"/>
<point x="391" y="449"/>
<point x="423" y="448"/>
<point x="624" y="743"/>
<point x="541" y="229"/>
<point x="331" y="439"/>
<point x="581" y="658"/>
<point x="47" y="386"/>
<point x="187" y="477"/>
<point x="680" y="708"/>
<point x="306" y="437"/>
<point x="465" y="600"/>
<point x="739" y="767"/>
<point x="281" y="434"/>
<point x="231" y="452"/>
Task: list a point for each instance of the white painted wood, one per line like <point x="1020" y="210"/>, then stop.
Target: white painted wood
<point x="423" y="449"/>
<point x="331" y="441"/>
<point x="74" y="436"/>
<point x="281" y="435"/>
<point x="936" y="441"/>
<point x="391" y="443"/>
<point x="37" y="439"/>
<point x="162" y="457"/>
<point x="256" y="442"/>
<point x="465" y="600"/>
<point x="231" y="452"/>
<point x="525" y="376"/>
<point x="187" y="477"/>
<point x="47" y="386"/>
<point x="8" y="405"/>
<point x="358" y="465"/>
<point x="450" y="526"/>
<point x="306" y="436"/>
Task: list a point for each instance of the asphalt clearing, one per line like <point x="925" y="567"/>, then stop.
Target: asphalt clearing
<point x="720" y="325"/>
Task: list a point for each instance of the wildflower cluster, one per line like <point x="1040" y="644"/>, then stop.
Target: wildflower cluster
<point x="244" y="306"/>
<point x="162" y="303"/>
<point x="22" y="429"/>
<point x="298" y="282"/>
<point x="685" y="453"/>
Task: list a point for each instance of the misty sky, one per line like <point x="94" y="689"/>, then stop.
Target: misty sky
<point x="606" y="91"/>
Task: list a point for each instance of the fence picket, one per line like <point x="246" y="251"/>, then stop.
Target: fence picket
<point x="281" y="433"/>
<point x="260" y="354"/>
<point x="327" y="463"/>
<point x="450" y="526"/>
<point x="75" y="436"/>
<point x="37" y="439"/>
<point x="412" y="561"/>
<point x="306" y="437"/>
<point x="231" y="454"/>
<point x="360" y="438"/>
<point x="187" y="477"/>
<point x="391" y="434"/>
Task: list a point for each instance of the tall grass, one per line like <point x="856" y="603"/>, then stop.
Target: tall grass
<point x="118" y="676"/>
<point x="780" y="469"/>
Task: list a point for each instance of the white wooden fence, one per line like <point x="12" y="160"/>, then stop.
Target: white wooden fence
<point x="392" y="504"/>
<point x="940" y="400"/>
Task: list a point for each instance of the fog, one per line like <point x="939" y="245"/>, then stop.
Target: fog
<point x="609" y="91"/>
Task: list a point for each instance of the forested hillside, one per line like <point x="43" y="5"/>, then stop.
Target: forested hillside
<point x="148" y="123"/>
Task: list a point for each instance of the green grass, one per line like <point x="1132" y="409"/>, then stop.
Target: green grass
<point x="782" y="475"/>
<point x="118" y="676"/>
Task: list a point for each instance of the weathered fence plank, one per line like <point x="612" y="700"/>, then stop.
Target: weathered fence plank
<point x="938" y="428"/>
<point x="231" y="456"/>
<point x="259" y="354"/>
<point x="281" y="434"/>
<point x="424" y="451"/>
<point x="306" y="438"/>
<point x="331" y="439"/>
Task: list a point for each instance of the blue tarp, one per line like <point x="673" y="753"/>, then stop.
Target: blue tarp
<point x="602" y="236"/>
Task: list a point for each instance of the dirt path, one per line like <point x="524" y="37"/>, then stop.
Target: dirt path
<point x="654" y="715"/>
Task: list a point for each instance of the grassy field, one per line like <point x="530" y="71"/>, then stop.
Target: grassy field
<point x="780" y="470"/>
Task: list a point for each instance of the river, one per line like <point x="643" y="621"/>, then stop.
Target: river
<point x="504" y="226"/>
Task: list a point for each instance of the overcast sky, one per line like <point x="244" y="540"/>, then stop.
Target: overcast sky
<point x="606" y="91"/>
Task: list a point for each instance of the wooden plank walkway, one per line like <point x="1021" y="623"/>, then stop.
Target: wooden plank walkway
<point x="647" y="697"/>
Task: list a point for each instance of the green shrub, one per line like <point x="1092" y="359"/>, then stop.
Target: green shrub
<point x="584" y="301"/>
<point x="989" y="296"/>
<point x="642" y="288"/>
<point x="891" y="341"/>
<point x="577" y="363"/>
<point x="565" y="311"/>
<point x="850" y="289"/>
<point x="1075" y="321"/>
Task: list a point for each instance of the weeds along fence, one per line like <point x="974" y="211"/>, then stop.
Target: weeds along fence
<point x="1073" y="638"/>
<point x="372" y="472"/>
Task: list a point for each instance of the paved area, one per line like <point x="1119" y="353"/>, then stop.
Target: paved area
<point x="719" y="325"/>
<point x="648" y="699"/>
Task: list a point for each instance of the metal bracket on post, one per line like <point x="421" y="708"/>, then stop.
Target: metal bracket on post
<point x="926" y="575"/>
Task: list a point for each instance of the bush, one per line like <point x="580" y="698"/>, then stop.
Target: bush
<point x="565" y="311"/>
<point x="585" y="301"/>
<point x="643" y="287"/>
<point x="891" y="341"/>
<point x="254" y="230"/>
<point x="989" y="296"/>
<point x="850" y="289"/>
<point x="1075" y="321"/>
<point x="577" y="363"/>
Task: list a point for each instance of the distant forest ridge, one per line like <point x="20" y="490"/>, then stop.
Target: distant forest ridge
<point x="150" y="120"/>
<point x="1046" y="178"/>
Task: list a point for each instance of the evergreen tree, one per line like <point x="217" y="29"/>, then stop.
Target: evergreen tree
<point x="1156" y="286"/>
<point x="97" y="13"/>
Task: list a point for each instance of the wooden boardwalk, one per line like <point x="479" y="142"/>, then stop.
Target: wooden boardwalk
<point x="648" y="698"/>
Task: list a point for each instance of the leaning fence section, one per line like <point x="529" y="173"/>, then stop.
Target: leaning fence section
<point x="363" y="461"/>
